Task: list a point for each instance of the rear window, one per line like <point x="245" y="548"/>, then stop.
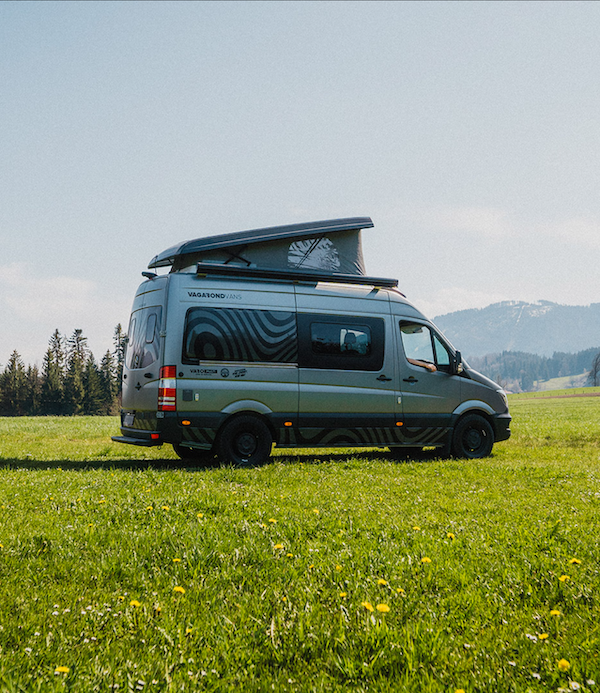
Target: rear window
<point x="228" y="334"/>
<point x="144" y="334"/>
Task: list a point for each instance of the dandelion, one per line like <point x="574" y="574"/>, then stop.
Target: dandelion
<point x="367" y="605"/>
<point x="316" y="511"/>
<point x="177" y="560"/>
<point x="312" y="565"/>
<point x="102" y="500"/>
<point x="400" y="590"/>
<point x="121" y="598"/>
<point x="381" y="581"/>
<point x="564" y="664"/>
<point x="575" y="561"/>
<point x="200" y="515"/>
<point x="278" y="546"/>
<point x="343" y="594"/>
<point x="338" y="567"/>
<point x="61" y="670"/>
<point x="383" y="608"/>
<point x="451" y="536"/>
<point x="555" y="612"/>
<point x="425" y="560"/>
<point x="543" y="636"/>
<point x="564" y="578"/>
<point x="179" y="589"/>
<point x="273" y="520"/>
<point x="263" y="525"/>
<point x="189" y="631"/>
<point x="134" y="602"/>
<point x="459" y="690"/>
<point x="416" y="528"/>
<point x="290" y="555"/>
<point x="149" y="507"/>
<point x="166" y="507"/>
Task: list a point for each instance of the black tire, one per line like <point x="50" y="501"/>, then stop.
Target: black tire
<point x="244" y="441"/>
<point x="194" y="454"/>
<point x="473" y="437"/>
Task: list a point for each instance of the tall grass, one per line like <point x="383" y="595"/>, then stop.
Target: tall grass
<point x="124" y="569"/>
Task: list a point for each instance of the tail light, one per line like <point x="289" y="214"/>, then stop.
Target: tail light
<point x="167" y="389"/>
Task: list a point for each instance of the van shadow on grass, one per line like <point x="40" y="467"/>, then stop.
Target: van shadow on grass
<point x="128" y="464"/>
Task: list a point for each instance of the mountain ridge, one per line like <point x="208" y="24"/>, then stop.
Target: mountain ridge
<point x="540" y="328"/>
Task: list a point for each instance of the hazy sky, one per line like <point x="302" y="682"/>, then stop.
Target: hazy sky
<point x="469" y="132"/>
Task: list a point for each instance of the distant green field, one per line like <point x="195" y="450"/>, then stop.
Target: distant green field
<point x="125" y="569"/>
<point x="559" y="392"/>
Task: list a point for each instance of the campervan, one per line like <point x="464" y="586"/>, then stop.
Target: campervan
<point x="278" y="336"/>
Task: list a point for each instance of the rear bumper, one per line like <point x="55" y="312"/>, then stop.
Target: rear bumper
<point x="142" y="438"/>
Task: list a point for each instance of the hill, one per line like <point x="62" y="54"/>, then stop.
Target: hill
<point x="542" y="328"/>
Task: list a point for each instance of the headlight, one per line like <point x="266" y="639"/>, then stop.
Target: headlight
<point x="504" y="397"/>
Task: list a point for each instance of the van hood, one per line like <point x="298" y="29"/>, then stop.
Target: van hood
<point x="482" y="379"/>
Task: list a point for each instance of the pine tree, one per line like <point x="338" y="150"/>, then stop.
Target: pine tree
<point x="53" y="376"/>
<point x="92" y="387"/>
<point x="120" y="342"/>
<point x="77" y="352"/>
<point x="33" y="391"/>
<point x="108" y="381"/>
<point x="13" y="387"/>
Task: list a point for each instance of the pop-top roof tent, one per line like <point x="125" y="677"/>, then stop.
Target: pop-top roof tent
<point x="314" y="251"/>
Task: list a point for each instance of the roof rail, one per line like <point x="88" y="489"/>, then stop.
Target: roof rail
<point x="293" y="275"/>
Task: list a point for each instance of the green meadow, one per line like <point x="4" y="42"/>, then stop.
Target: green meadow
<point x="126" y="569"/>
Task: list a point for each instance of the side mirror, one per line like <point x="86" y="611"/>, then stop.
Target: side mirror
<point x="457" y="365"/>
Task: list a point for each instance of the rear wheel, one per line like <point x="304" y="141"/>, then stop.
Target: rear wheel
<point x="473" y="437"/>
<point x="245" y="441"/>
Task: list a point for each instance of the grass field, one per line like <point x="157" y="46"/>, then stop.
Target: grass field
<point x="124" y="569"/>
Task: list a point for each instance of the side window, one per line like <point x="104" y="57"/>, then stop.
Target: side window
<point x="423" y="347"/>
<point x="337" y="339"/>
<point x="132" y="350"/>
<point x="340" y="342"/>
<point x="227" y="334"/>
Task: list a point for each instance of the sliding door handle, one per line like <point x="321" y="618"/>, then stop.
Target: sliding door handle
<point x="383" y="379"/>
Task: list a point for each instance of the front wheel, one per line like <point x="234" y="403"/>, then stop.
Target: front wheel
<point x="473" y="437"/>
<point x="245" y="441"/>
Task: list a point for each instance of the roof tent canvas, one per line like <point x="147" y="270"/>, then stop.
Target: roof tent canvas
<point x="331" y="247"/>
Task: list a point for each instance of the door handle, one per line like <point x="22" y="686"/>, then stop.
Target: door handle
<point x="412" y="379"/>
<point x="383" y="379"/>
<point x="148" y="375"/>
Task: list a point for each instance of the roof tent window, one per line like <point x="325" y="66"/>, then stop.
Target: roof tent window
<point x="314" y="253"/>
<point x="227" y="334"/>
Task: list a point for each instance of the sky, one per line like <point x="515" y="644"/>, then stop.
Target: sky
<point x="468" y="131"/>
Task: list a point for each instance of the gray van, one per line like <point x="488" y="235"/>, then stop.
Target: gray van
<point x="278" y="336"/>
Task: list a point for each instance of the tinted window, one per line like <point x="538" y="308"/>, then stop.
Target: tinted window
<point x="144" y="334"/>
<point x="340" y="342"/>
<point x="226" y="334"/>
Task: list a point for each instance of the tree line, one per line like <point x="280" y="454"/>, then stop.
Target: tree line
<point x="521" y="370"/>
<point x="70" y="382"/>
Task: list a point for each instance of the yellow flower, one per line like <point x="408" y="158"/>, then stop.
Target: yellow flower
<point x="179" y="589"/>
<point x="459" y="690"/>
<point x="61" y="670"/>
<point x="177" y="560"/>
<point x="343" y="594"/>
<point x="400" y="590"/>
<point x="134" y="602"/>
<point x="555" y="612"/>
<point x="416" y="528"/>
<point x="368" y="606"/>
<point x="450" y="536"/>
<point x="290" y="555"/>
<point x="382" y="608"/>
<point x="564" y="665"/>
<point x="121" y="598"/>
<point x="278" y="546"/>
<point x="165" y="507"/>
<point x="543" y="636"/>
<point x="564" y="578"/>
<point x="381" y="581"/>
<point x="316" y="511"/>
<point x="149" y="507"/>
<point x="338" y="567"/>
<point x="273" y="520"/>
<point x="189" y="631"/>
<point x="574" y="561"/>
<point x="312" y="565"/>
<point x="425" y="560"/>
<point x="263" y="525"/>
<point x="200" y="515"/>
